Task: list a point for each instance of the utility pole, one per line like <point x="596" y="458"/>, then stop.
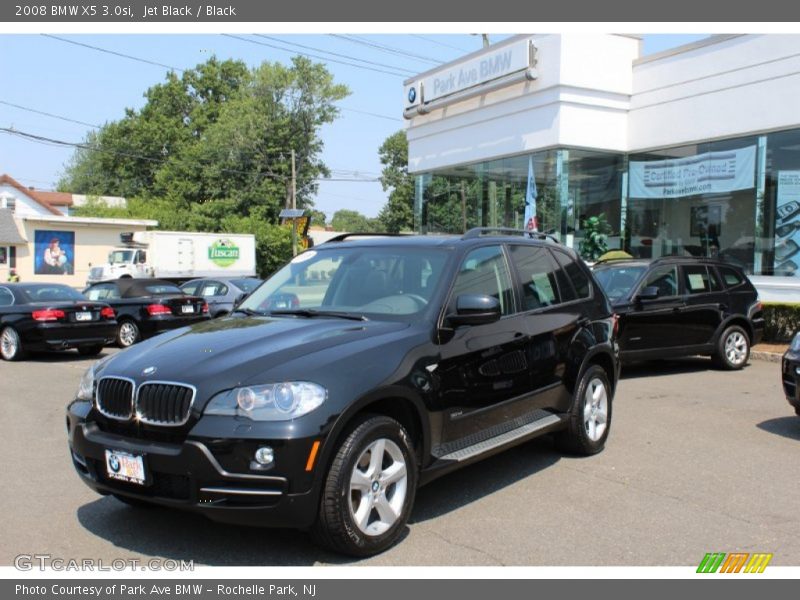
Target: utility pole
<point x="294" y="183"/>
<point x="294" y="206"/>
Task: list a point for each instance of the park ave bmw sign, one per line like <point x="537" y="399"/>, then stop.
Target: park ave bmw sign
<point x="486" y="66"/>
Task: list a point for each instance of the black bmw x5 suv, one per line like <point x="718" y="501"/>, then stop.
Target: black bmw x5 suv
<point x="362" y="369"/>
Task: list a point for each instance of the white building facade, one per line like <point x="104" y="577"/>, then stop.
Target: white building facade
<point x="692" y="151"/>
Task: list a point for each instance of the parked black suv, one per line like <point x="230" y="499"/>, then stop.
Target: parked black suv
<point x="682" y="306"/>
<point x="360" y="370"/>
<point x="790" y="373"/>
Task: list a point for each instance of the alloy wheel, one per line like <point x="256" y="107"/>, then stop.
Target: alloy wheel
<point x="736" y="348"/>
<point x="595" y="409"/>
<point x="9" y="343"/>
<point x="378" y="487"/>
<point x="127" y="334"/>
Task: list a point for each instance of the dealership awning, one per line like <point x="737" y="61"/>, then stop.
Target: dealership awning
<point x="9" y="234"/>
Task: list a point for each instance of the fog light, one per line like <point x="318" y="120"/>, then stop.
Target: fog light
<point x="265" y="455"/>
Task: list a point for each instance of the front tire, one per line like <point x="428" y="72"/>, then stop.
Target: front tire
<point x="11" y="347"/>
<point x="369" y="489"/>
<point x="127" y="333"/>
<point x="590" y="417"/>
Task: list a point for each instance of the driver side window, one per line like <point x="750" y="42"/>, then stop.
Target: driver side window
<point x="665" y="279"/>
<point x="484" y="271"/>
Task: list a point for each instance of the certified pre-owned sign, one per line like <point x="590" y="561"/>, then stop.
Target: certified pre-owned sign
<point x="223" y="253"/>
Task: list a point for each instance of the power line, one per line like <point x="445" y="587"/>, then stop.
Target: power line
<point x="171" y="68"/>
<point x="113" y="52"/>
<point x="347" y="56"/>
<point x="384" y="48"/>
<point x="309" y="55"/>
<point x="433" y="41"/>
<point x="61" y="143"/>
<point x="47" y="114"/>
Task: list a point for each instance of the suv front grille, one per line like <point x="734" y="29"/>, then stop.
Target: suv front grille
<point x="163" y="403"/>
<point x="115" y="397"/>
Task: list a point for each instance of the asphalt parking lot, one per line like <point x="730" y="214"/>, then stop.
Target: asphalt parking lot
<point x="698" y="460"/>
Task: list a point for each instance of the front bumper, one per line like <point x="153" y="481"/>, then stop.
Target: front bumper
<point x="187" y="475"/>
<point x="790" y="375"/>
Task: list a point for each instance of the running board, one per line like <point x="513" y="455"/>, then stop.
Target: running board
<point x="502" y="439"/>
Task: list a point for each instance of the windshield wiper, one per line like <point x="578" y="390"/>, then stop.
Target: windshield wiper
<point x="310" y="314"/>
<point x="248" y="311"/>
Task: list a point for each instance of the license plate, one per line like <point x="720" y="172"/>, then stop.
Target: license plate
<point x="125" y="467"/>
<point x="188" y="308"/>
<point x="83" y="316"/>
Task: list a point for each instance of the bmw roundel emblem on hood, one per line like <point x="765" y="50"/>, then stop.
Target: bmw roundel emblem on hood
<point x="149" y="370"/>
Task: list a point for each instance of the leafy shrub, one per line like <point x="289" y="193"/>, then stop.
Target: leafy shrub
<point x="781" y="321"/>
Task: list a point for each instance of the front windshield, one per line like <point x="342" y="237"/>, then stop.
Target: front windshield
<point x="618" y="281"/>
<point x="51" y="293"/>
<point x="120" y="256"/>
<point x="359" y="281"/>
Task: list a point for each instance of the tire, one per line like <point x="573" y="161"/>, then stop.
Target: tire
<point x="11" y="347"/>
<point x="134" y="502"/>
<point x="590" y="417"/>
<point x="365" y="505"/>
<point x="127" y="333"/>
<point x="733" y="349"/>
<point x="90" y="350"/>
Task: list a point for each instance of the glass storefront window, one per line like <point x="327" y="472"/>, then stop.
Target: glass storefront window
<point x="570" y="186"/>
<point x="696" y="200"/>
<point x="780" y="247"/>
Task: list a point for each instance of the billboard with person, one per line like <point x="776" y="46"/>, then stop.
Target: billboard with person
<point x="54" y="252"/>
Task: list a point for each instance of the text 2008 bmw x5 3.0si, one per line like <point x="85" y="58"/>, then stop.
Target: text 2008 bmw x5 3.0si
<point x="359" y="371"/>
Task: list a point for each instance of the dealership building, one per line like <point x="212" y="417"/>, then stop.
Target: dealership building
<point x="691" y="151"/>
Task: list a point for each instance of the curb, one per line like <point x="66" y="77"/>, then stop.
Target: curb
<point x="767" y="356"/>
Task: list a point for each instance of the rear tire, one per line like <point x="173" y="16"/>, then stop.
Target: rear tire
<point x="127" y="333"/>
<point x="11" y="347"/>
<point x="90" y="350"/>
<point x="733" y="349"/>
<point x="590" y="417"/>
<point x="369" y="489"/>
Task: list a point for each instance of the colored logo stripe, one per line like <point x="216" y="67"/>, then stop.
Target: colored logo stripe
<point x="734" y="563"/>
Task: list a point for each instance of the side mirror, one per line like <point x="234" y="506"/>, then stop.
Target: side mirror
<point x="648" y="293"/>
<point x="475" y="309"/>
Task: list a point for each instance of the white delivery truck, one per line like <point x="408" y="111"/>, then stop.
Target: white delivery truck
<point x="178" y="256"/>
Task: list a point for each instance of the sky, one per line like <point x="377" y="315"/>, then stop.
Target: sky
<point x="93" y="87"/>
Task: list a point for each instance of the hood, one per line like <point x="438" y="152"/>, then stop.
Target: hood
<point x="223" y="353"/>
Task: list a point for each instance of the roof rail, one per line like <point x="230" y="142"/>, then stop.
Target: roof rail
<point x="479" y="231"/>
<point x="343" y="236"/>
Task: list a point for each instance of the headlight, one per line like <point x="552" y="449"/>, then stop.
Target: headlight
<point x="796" y="343"/>
<point x="273" y="402"/>
<point x="86" y="386"/>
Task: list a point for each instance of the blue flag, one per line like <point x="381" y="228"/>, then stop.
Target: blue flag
<point x="531" y="223"/>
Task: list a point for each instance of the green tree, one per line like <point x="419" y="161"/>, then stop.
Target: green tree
<point x="318" y="218"/>
<point x="353" y="221"/>
<point x="211" y="151"/>
<point x="398" y="212"/>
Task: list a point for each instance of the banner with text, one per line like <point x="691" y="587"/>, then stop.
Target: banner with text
<point x="708" y="173"/>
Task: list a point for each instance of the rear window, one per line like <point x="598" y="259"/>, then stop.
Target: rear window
<point x="697" y="279"/>
<point x="51" y="293"/>
<point x="246" y="285"/>
<point x="579" y="279"/>
<point x="731" y="276"/>
<point x="162" y="289"/>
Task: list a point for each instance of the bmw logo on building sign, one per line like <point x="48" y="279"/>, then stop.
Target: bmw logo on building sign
<point x="412" y="95"/>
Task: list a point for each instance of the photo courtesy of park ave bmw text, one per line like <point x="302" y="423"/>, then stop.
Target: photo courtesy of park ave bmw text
<point x="440" y="305"/>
